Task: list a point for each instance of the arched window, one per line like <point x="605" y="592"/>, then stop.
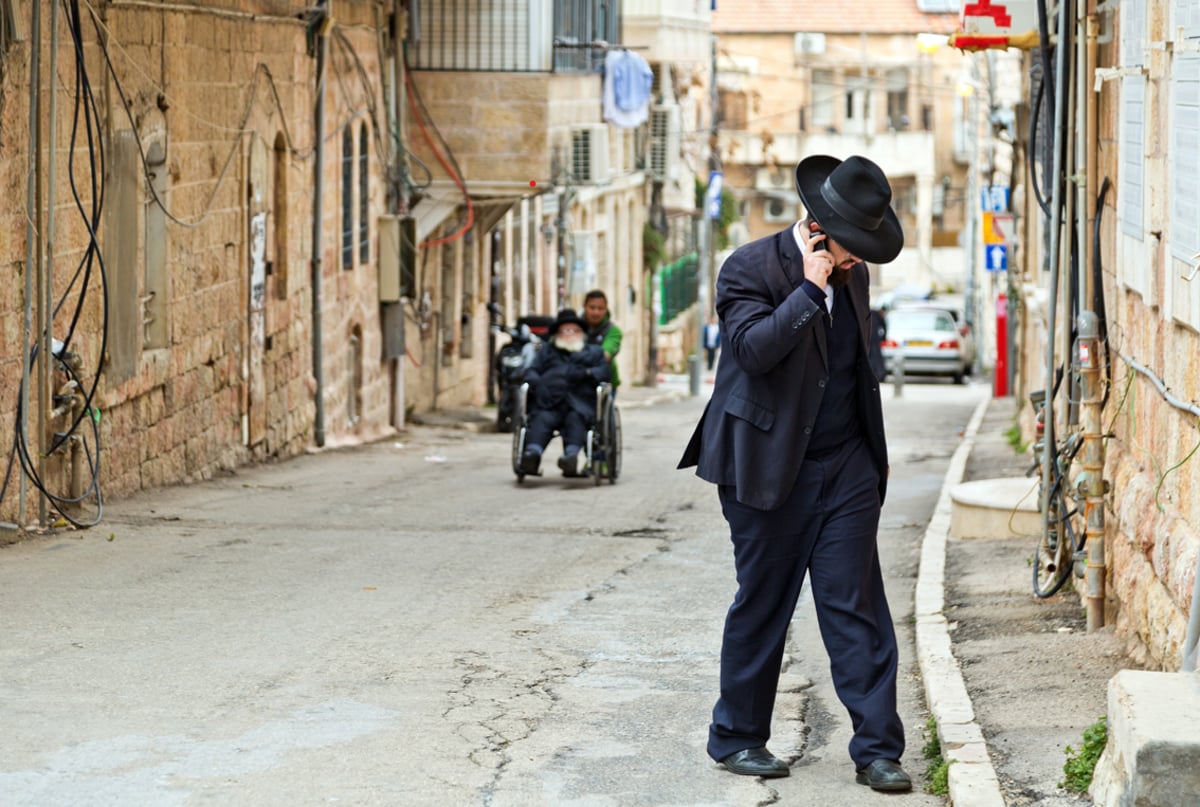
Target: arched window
<point x="347" y="198"/>
<point x="364" y="186"/>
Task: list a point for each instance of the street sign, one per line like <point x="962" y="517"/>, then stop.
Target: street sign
<point x="997" y="227"/>
<point x="997" y="257"/>
<point x="994" y="199"/>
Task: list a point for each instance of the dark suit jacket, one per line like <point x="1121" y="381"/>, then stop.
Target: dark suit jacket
<point x="756" y="428"/>
<point x="551" y="387"/>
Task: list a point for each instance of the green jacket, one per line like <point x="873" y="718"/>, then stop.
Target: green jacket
<point x="608" y="336"/>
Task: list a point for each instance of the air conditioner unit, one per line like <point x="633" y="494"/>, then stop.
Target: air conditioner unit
<point x="589" y="152"/>
<point x="664" y="142"/>
<point x="777" y="179"/>
<point x="809" y="43"/>
<point x="778" y="209"/>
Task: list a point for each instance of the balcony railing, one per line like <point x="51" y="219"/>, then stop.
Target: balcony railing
<point x="512" y="36"/>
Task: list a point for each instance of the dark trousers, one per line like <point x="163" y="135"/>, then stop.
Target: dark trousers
<point x="827" y="529"/>
<point x="712" y="356"/>
<point x="543" y="422"/>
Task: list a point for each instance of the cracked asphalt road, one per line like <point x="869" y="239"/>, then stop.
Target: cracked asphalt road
<point x="403" y="624"/>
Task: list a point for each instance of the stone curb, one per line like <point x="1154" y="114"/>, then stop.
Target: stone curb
<point x="972" y="779"/>
<point x="667" y="396"/>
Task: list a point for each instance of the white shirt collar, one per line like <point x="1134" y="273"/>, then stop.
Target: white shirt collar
<point x="829" y="290"/>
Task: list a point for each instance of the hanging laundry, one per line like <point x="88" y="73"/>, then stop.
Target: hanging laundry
<point x="627" y="82"/>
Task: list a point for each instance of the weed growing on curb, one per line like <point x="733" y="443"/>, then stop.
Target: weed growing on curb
<point x="1013" y="435"/>
<point x="937" y="772"/>
<point x="1081" y="764"/>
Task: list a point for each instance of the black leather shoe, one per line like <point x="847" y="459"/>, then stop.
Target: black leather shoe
<point x="883" y="774"/>
<point x="529" y="463"/>
<point x="756" y="762"/>
<point x="569" y="464"/>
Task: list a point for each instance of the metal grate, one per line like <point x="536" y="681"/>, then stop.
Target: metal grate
<point x="512" y="35"/>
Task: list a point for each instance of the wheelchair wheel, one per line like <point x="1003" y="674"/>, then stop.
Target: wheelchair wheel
<point x="518" y="431"/>
<point x="614" y="448"/>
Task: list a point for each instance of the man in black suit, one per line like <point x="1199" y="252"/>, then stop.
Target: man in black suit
<point x="793" y="438"/>
<point x="562" y="380"/>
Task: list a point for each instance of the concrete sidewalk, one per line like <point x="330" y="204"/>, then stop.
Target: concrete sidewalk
<point x="1011" y="680"/>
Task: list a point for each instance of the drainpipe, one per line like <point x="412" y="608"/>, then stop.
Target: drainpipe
<point x="1093" y="486"/>
<point x="322" y="47"/>
<point x="1193" y="627"/>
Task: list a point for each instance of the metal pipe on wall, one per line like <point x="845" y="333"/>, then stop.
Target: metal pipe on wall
<point x="322" y="47"/>
<point x="1093" y="486"/>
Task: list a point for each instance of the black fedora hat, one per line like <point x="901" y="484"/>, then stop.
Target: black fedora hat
<point x="851" y="201"/>
<point x="565" y="316"/>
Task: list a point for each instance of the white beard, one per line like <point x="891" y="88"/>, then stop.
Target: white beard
<point x="569" y="345"/>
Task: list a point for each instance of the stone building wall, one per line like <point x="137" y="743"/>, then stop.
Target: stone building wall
<point x="226" y="95"/>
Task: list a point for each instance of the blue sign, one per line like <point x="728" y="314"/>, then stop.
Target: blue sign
<point x="712" y="197"/>
<point x="996" y="257"/>
<point x="994" y="199"/>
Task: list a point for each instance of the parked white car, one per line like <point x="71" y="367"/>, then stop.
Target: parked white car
<point x="931" y="340"/>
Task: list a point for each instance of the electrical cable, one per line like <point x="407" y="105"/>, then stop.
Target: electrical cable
<point x="1098" y="304"/>
<point x="85" y="107"/>
<point x="413" y="100"/>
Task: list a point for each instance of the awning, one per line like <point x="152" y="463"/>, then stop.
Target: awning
<point x="442" y="200"/>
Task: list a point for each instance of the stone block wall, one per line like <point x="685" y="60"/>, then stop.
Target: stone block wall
<point x="207" y="84"/>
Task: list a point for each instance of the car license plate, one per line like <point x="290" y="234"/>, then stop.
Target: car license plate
<point x="919" y="343"/>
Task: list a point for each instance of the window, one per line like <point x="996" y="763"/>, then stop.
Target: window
<point x="364" y="197"/>
<point x="1132" y="134"/>
<point x="858" y="104"/>
<point x="347" y="198"/>
<point x="733" y="110"/>
<point x="1185" y="144"/>
<point x="580" y="22"/>
<point x="823" y="91"/>
<point x="897" y="100"/>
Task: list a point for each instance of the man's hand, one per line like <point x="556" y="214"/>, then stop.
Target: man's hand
<point x="818" y="260"/>
<point x="577" y="373"/>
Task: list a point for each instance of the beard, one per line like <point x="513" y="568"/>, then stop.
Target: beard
<point x="569" y="345"/>
<point x="839" y="277"/>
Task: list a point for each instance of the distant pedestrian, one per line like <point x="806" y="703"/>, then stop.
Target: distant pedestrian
<point x="603" y="332"/>
<point x="712" y="340"/>
<point x="793" y="438"/>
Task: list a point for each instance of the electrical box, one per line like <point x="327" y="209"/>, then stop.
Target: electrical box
<point x="397" y="257"/>
<point x="389" y="259"/>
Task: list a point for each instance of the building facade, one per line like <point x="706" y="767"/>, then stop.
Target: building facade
<point x="867" y="78"/>
<point x="1135" y="229"/>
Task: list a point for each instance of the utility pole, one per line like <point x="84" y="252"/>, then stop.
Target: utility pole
<point x="711" y="209"/>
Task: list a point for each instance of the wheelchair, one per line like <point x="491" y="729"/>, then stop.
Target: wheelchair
<point x="602" y="446"/>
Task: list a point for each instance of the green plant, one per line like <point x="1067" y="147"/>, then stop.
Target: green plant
<point x="1081" y="764"/>
<point x="937" y="772"/>
<point x="1013" y="435"/>
<point x="654" y="248"/>
<point x="728" y="214"/>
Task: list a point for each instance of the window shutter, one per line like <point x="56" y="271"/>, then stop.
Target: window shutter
<point x="1185" y="145"/>
<point x="1133" y="133"/>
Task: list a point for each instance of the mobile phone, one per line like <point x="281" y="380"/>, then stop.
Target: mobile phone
<point x="820" y="245"/>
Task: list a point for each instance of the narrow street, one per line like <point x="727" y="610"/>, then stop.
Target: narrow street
<point x="404" y="624"/>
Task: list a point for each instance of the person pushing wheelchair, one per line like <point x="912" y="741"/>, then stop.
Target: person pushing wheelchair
<point x="562" y="381"/>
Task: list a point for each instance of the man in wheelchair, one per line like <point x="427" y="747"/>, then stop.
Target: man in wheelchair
<point x="562" y="381"/>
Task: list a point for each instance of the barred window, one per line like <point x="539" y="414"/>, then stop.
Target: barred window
<point x="347" y="198"/>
